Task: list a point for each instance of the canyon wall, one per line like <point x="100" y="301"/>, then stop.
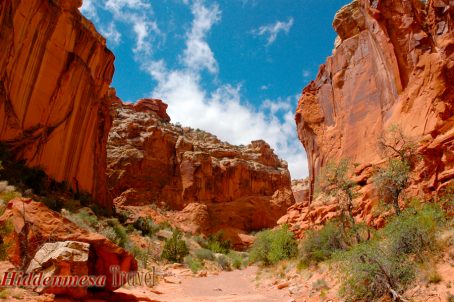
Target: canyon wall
<point x="55" y="72"/>
<point x="393" y="63"/>
<point x="210" y="184"/>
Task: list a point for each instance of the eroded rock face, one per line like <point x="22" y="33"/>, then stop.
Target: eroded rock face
<point x="35" y="225"/>
<point x="393" y="64"/>
<point x="209" y="183"/>
<point x="55" y="72"/>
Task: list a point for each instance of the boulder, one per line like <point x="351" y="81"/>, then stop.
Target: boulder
<point x="35" y="225"/>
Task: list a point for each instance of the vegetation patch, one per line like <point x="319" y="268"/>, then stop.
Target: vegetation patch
<point x="272" y="246"/>
<point x="175" y="248"/>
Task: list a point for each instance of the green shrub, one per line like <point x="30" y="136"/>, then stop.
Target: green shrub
<point x="5" y="229"/>
<point x="146" y="226"/>
<point x="236" y="260"/>
<point x="204" y="254"/>
<point x="218" y="244"/>
<point x="7" y="196"/>
<point x="319" y="245"/>
<point x="223" y="262"/>
<point x="370" y="272"/>
<point x="140" y="254"/>
<point x="415" y="230"/>
<point x="272" y="246"/>
<point x="119" y="237"/>
<point x="85" y="220"/>
<point x="193" y="263"/>
<point x="165" y="225"/>
<point x="392" y="180"/>
<point x="175" y="249"/>
<point x="201" y="241"/>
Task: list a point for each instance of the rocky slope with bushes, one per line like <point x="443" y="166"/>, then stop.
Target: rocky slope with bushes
<point x="209" y="184"/>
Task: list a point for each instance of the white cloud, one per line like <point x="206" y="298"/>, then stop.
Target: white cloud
<point x="111" y="34"/>
<point x="306" y="74"/>
<point x="198" y="54"/>
<point x="137" y="14"/>
<point x="273" y="30"/>
<point x="118" y="6"/>
<point x="88" y="9"/>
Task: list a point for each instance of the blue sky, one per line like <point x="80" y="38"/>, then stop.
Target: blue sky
<point x="231" y="67"/>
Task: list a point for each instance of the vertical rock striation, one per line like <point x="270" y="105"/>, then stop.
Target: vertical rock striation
<point x="393" y="63"/>
<point x="55" y="72"/>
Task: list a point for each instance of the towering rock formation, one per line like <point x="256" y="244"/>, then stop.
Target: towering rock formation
<point x="393" y="63"/>
<point x="211" y="184"/>
<point x="55" y="72"/>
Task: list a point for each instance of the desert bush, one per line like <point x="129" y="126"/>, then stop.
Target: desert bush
<point x="447" y="199"/>
<point x="272" y="246"/>
<point x="319" y="245"/>
<point x="415" y="231"/>
<point x="146" y="226"/>
<point x="370" y="272"/>
<point x="85" y="220"/>
<point x="236" y="260"/>
<point x="119" y="235"/>
<point x="140" y="254"/>
<point x="5" y="229"/>
<point x="201" y="241"/>
<point x="217" y="244"/>
<point x="9" y="195"/>
<point x="320" y="284"/>
<point x="193" y="263"/>
<point x="175" y="249"/>
<point x="204" y="254"/>
<point x="223" y="262"/>
<point x="165" y="225"/>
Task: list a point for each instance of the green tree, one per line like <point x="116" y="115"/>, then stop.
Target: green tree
<point x="391" y="181"/>
<point x="401" y="151"/>
<point x="175" y="248"/>
<point x="335" y="179"/>
<point x="271" y="246"/>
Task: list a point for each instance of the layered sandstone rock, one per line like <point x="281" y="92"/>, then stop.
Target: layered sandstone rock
<point x="393" y="64"/>
<point x="34" y="225"/>
<point x="209" y="183"/>
<point x="55" y="72"/>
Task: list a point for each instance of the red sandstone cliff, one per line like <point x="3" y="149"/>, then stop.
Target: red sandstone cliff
<point x="393" y="63"/>
<point x="55" y="72"/>
<point x="209" y="183"/>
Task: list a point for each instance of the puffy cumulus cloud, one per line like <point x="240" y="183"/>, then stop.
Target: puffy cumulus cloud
<point x="271" y="31"/>
<point x="198" y="54"/>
